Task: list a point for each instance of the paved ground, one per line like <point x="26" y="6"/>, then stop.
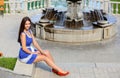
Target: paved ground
<point x="93" y="60"/>
<point x="81" y="70"/>
<point x="8" y="34"/>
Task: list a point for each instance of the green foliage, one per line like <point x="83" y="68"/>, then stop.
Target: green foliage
<point x="8" y="62"/>
<point x="115" y="6"/>
<point x="116" y="0"/>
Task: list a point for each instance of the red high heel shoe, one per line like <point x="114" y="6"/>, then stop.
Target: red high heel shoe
<point x="54" y="71"/>
<point x="62" y="74"/>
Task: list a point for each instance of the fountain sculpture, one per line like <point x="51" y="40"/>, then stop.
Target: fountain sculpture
<point x="75" y="24"/>
<point x="74" y="15"/>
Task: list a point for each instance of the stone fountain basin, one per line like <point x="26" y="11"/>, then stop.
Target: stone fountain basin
<point x="67" y="35"/>
<point x="97" y="33"/>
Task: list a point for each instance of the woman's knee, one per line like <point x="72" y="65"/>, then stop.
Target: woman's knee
<point x="43" y="58"/>
<point x="39" y="58"/>
<point x="47" y="52"/>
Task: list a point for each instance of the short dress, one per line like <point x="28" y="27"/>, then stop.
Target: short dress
<point x="24" y="56"/>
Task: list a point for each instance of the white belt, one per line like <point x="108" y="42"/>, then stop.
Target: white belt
<point x="32" y="49"/>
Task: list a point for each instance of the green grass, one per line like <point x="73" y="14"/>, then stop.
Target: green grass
<point x="8" y="62"/>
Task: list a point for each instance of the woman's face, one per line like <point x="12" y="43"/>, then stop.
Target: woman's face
<point x="27" y="25"/>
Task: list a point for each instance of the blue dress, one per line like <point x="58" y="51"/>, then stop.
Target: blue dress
<point x="24" y="56"/>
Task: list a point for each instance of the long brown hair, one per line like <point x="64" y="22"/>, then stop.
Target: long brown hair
<point x="22" y="26"/>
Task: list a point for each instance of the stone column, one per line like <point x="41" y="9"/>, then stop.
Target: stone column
<point x="49" y="3"/>
<point x="105" y="5"/>
<point x="40" y="31"/>
<point x="43" y="3"/>
<point x="43" y="32"/>
<point x="18" y="5"/>
<point x="12" y="6"/>
<point x="25" y="6"/>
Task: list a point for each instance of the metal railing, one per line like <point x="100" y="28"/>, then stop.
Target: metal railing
<point x="114" y="7"/>
<point x="26" y="6"/>
<point x="23" y="6"/>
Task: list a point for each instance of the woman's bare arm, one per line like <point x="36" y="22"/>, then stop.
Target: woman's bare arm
<point x="35" y="43"/>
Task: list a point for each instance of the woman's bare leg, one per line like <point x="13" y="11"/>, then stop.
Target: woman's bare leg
<point x="49" y="62"/>
<point x="48" y="55"/>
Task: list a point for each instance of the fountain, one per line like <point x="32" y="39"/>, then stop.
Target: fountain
<point x="75" y="24"/>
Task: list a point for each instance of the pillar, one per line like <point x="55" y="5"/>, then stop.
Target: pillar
<point x="12" y="6"/>
<point x="105" y="5"/>
<point x="48" y="3"/>
<point x="26" y="6"/>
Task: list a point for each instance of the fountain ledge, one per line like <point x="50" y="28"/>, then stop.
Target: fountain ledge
<point x="72" y="35"/>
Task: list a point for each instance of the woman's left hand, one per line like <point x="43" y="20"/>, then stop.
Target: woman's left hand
<point x="43" y="52"/>
<point x="37" y="52"/>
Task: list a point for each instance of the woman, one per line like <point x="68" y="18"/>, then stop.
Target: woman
<point x="28" y="54"/>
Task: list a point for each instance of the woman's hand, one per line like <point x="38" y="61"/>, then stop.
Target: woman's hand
<point x="43" y="52"/>
<point x="37" y="52"/>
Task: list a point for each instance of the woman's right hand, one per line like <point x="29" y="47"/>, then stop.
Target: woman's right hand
<point x="37" y="52"/>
